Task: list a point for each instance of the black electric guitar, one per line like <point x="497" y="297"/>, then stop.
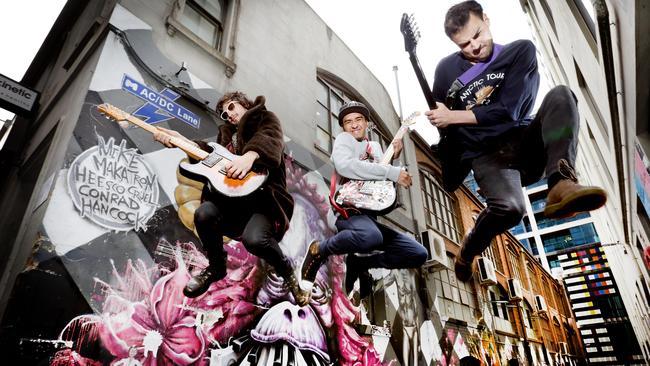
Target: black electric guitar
<point x="411" y="37"/>
<point x="210" y="166"/>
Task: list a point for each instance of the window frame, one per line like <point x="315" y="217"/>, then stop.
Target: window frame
<point x="332" y="115"/>
<point x="224" y="49"/>
<point x="428" y="179"/>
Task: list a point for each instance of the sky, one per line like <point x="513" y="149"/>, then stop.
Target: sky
<point x="22" y="31"/>
<point x="369" y="27"/>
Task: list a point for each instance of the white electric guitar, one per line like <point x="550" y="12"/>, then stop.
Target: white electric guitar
<point x="210" y="166"/>
<point x="373" y="196"/>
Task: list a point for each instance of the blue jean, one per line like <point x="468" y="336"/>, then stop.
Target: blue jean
<point x="386" y="248"/>
<point x="551" y="137"/>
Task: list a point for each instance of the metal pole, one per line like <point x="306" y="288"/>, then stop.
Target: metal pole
<point x="399" y="97"/>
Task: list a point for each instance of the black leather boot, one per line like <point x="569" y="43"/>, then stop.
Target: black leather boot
<point x="216" y="270"/>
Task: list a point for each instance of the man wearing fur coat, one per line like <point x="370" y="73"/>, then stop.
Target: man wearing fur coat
<point x="260" y="219"/>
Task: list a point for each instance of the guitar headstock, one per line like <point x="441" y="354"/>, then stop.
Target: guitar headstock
<point x="411" y="118"/>
<point x="112" y="112"/>
<point x="410" y="32"/>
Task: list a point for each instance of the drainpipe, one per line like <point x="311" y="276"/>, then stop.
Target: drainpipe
<point x="602" y="17"/>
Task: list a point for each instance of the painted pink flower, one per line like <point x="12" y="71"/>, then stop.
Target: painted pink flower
<point x="161" y="326"/>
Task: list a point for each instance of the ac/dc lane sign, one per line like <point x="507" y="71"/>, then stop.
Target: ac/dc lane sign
<point x="158" y="102"/>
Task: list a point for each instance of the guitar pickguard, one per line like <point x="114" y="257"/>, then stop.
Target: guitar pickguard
<point x="367" y="195"/>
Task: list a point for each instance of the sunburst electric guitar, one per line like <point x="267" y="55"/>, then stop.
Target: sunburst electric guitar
<point x="373" y="196"/>
<point x="210" y="165"/>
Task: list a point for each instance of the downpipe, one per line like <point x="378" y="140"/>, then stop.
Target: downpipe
<point x="604" y="31"/>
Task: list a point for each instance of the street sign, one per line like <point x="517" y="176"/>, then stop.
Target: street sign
<point x="162" y="102"/>
<point x="17" y="98"/>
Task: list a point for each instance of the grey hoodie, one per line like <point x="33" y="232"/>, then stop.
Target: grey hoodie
<point x="347" y="156"/>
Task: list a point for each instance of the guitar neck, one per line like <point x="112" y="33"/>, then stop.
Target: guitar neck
<point x="190" y="149"/>
<point x="390" y="151"/>
<point x="428" y="95"/>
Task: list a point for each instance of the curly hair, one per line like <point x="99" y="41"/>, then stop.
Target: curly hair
<point x="234" y="96"/>
<point x="458" y="15"/>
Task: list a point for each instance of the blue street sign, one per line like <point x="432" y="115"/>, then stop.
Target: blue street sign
<point x="160" y="106"/>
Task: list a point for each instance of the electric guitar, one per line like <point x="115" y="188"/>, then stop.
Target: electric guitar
<point x="411" y="37"/>
<point x="373" y="196"/>
<point x="210" y="165"/>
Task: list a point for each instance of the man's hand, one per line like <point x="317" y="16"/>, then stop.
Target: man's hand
<point x="164" y="136"/>
<point x="404" y="179"/>
<point x="398" y="145"/>
<point x="442" y="116"/>
<point x="241" y="165"/>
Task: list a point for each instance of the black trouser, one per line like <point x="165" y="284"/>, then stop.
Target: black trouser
<point x="256" y="229"/>
<point x="551" y="137"/>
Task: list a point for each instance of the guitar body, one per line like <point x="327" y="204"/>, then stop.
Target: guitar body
<point x="375" y="197"/>
<point x="210" y="166"/>
<point x="211" y="169"/>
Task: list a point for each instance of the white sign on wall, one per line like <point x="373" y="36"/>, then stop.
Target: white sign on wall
<point x="16" y="98"/>
<point x="113" y="186"/>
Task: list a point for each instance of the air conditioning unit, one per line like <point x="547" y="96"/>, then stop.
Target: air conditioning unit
<point x="540" y="304"/>
<point x="487" y="275"/>
<point x="514" y="289"/>
<point x="437" y="253"/>
<point x="564" y="348"/>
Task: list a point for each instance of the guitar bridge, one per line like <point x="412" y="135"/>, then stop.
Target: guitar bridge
<point x="211" y="160"/>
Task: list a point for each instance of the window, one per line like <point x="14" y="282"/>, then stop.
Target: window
<point x="549" y="15"/>
<point x="208" y="23"/>
<point x="527" y="312"/>
<point x="499" y="302"/>
<point x="205" y="18"/>
<point x="456" y="299"/>
<point x="584" y="13"/>
<point x="328" y="104"/>
<point x="533" y="280"/>
<point x="544" y="222"/>
<point x="514" y="263"/>
<point x="438" y="207"/>
<point x="567" y="238"/>
<point x="492" y="252"/>
<point x="593" y="104"/>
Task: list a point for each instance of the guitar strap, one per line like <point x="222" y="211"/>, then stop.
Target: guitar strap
<point x="344" y="211"/>
<point x="470" y="75"/>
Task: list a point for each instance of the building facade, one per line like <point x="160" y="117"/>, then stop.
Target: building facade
<point x="604" y="64"/>
<point x="98" y="222"/>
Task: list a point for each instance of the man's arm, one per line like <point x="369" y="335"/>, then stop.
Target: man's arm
<point x="443" y="116"/>
<point x="348" y="165"/>
<point x="267" y="141"/>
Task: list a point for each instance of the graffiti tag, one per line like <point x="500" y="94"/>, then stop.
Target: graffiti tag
<point x="113" y="186"/>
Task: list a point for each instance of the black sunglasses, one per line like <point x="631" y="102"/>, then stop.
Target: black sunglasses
<point x="230" y="107"/>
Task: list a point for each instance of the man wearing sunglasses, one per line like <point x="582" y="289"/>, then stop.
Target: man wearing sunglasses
<point x="261" y="218"/>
